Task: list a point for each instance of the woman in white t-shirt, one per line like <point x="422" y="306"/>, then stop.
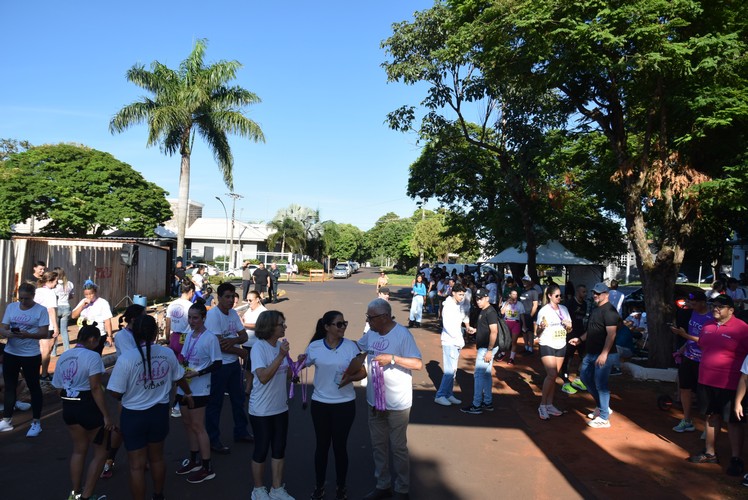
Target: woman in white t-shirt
<point x="64" y="292"/>
<point x="24" y="323"/>
<point x="142" y="379"/>
<point x="45" y="296"/>
<point x="93" y="308"/>
<point x="200" y="356"/>
<point x="334" y="399"/>
<point x="553" y="322"/>
<point x="268" y="403"/>
<point x="84" y="411"/>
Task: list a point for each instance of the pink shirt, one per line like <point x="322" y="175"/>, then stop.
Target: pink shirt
<point x="723" y="348"/>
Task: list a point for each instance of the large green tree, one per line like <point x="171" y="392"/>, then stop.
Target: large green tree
<point x="80" y="191"/>
<point x="347" y="244"/>
<point x="665" y="82"/>
<point x="388" y="242"/>
<point x="194" y="99"/>
<point x="431" y="236"/>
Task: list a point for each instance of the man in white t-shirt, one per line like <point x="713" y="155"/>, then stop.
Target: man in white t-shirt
<point x="249" y="319"/>
<point x="391" y="354"/>
<point x="225" y="323"/>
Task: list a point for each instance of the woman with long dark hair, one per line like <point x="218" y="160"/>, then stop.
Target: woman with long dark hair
<point x="554" y="321"/>
<point x="200" y="356"/>
<point x="24" y="323"/>
<point x="142" y="379"/>
<point x="45" y="295"/>
<point x="84" y="411"/>
<point x="416" y="304"/>
<point x="268" y="403"/>
<point x="334" y="399"/>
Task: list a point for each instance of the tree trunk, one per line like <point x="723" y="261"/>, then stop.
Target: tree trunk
<point x="658" y="280"/>
<point x="182" y="204"/>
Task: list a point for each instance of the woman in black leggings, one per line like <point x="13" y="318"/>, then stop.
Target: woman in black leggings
<point x="333" y="400"/>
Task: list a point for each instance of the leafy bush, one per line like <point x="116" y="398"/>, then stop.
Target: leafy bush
<point x="306" y="265"/>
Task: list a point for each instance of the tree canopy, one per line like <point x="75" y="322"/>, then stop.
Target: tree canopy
<point x="80" y="191"/>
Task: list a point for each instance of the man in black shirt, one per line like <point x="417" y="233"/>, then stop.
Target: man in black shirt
<point x="485" y="341"/>
<point x="261" y="277"/>
<point x="600" y="337"/>
<point x="39" y="268"/>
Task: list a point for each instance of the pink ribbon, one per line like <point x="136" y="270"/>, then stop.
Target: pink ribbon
<point x="377" y="380"/>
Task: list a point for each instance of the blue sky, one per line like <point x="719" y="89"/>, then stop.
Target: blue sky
<point x="315" y="65"/>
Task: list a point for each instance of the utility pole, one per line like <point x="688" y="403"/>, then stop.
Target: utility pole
<point x="234" y="197"/>
<point x="226" y="237"/>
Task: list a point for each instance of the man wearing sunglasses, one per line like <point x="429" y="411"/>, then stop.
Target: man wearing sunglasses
<point x="724" y="346"/>
<point x="391" y="355"/>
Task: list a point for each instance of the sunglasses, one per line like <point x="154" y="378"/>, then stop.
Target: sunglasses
<point x="369" y="318"/>
<point x="340" y="324"/>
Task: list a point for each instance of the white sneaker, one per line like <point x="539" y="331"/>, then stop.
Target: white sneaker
<point x="599" y="423"/>
<point x="280" y="493"/>
<point x="5" y="425"/>
<point x="34" y="430"/>
<point x="260" y="494"/>
<point x="543" y="413"/>
<point x="553" y="411"/>
<point x="441" y="400"/>
<point x="21" y="406"/>
<point x="454" y="400"/>
<point x="176" y="412"/>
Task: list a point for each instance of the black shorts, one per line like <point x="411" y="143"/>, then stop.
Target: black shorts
<point x="550" y="351"/>
<point x="248" y="361"/>
<point x="718" y="401"/>
<point x="140" y="427"/>
<point x="688" y="374"/>
<point x="200" y="401"/>
<point x="261" y="288"/>
<point x="84" y="412"/>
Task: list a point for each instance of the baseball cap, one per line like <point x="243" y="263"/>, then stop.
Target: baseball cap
<point x="601" y="288"/>
<point x="480" y="293"/>
<point x="701" y="296"/>
<point x="526" y="278"/>
<point x="723" y="300"/>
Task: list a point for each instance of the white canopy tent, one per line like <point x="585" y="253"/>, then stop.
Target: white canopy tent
<point x="579" y="270"/>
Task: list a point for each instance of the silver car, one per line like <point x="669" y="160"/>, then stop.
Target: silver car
<point x="340" y="271"/>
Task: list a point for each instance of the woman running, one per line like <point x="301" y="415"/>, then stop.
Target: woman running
<point x="553" y="322"/>
<point x="200" y="356"/>
<point x="268" y="403"/>
<point x="334" y="399"/>
<point x="142" y="379"/>
<point x="84" y="411"/>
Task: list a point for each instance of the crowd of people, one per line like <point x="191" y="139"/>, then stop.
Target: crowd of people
<point x="215" y="351"/>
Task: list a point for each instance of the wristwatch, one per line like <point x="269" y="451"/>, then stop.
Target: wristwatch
<point x="392" y="362"/>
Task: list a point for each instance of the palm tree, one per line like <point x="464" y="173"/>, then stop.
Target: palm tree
<point x="194" y="99"/>
<point x="289" y="232"/>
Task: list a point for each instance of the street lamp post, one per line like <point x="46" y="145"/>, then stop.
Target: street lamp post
<point x="226" y="235"/>
<point x="234" y="197"/>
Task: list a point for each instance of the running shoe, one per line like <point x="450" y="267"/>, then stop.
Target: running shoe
<point x="703" y="458"/>
<point x="553" y="411"/>
<point x="108" y="470"/>
<point x="568" y="389"/>
<point x="441" y="400"/>
<point x="188" y="466"/>
<point x="74" y="496"/>
<point x="260" y="494"/>
<point x="5" y="425"/>
<point x="744" y="482"/>
<point x="318" y="494"/>
<point x="200" y="475"/>
<point x="280" y="493"/>
<point x="176" y="412"/>
<point x="34" y="430"/>
<point x="599" y="423"/>
<point x="577" y="383"/>
<point x="473" y="410"/>
<point x="684" y="426"/>
<point x="487" y="406"/>
<point x="543" y="413"/>
<point x="454" y="400"/>
<point x="21" y="406"/>
<point x="341" y="493"/>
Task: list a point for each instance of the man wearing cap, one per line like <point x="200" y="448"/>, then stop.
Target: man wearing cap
<point x="724" y="346"/>
<point x="453" y="319"/>
<point x="485" y="341"/>
<point x="530" y="300"/>
<point x="688" y="371"/>
<point x="391" y="355"/>
<point x="600" y="337"/>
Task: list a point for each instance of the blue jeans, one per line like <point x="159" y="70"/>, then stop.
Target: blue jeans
<point x="483" y="377"/>
<point x="596" y="380"/>
<point x="450" y="355"/>
<point x="228" y="378"/>
<point x="416" y="309"/>
<point x="63" y="314"/>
